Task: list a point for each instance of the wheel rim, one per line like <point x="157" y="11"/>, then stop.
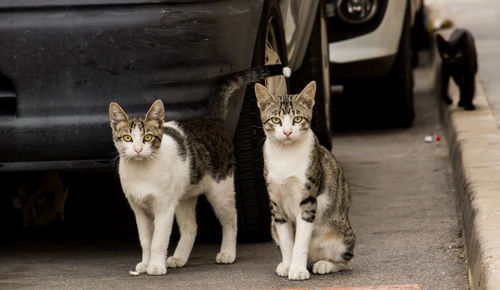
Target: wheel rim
<point x="277" y="84"/>
<point x="325" y="68"/>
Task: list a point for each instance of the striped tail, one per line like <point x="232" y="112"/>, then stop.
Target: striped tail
<point x="229" y="84"/>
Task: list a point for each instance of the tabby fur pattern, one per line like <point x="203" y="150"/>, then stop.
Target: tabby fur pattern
<point x="308" y="192"/>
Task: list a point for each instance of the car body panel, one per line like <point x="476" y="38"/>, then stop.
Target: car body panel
<point x="66" y="3"/>
<point x="64" y="61"/>
<point x="67" y="64"/>
<point x="380" y="43"/>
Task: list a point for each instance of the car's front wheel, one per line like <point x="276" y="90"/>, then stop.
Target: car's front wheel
<point x="252" y="201"/>
<point x="385" y="100"/>
<point x="316" y="66"/>
<point x="399" y="82"/>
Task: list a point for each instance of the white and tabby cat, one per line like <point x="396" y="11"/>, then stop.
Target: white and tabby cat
<point x="164" y="167"/>
<point x="309" y="196"/>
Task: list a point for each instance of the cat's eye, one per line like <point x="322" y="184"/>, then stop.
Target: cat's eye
<point x="458" y="55"/>
<point x="148" y="138"/>
<point x="275" y="120"/>
<point x="297" y="119"/>
<point x="127" y="138"/>
<point x="446" y="55"/>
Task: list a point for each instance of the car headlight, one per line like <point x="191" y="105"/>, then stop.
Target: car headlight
<point x="356" y="11"/>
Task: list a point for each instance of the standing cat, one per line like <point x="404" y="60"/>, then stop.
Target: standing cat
<point x="459" y="61"/>
<point x="309" y="196"/>
<point x="164" y="167"/>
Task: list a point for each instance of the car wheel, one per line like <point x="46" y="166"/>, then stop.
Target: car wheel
<point x="385" y="100"/>
<point x="420" y="37"/>
<point x="316" y="66"/>
<point x="252" y="200"/>
<point x="400" y="80"/>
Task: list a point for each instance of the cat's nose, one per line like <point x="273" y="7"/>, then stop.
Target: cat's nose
<point x="287" y="133"/>
<point x="138" y="150"/>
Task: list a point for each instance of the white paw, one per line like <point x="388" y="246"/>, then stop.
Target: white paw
<point x="141" y="267"/>
<point x="157" y="270"/>
<point x="282" y="270"/>
<point x="323" y="267"/>
<point x="175" y="262"/>
<point x="225" y="258"/>
<point x="298" y="273"/>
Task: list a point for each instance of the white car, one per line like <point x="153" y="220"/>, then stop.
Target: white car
<point x="370" y="45"/>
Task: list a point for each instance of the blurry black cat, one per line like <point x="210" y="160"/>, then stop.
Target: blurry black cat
<point x="459" y="61"/>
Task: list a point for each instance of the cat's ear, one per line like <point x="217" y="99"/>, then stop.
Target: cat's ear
<point x="264" y="96"/>
<point x="441" y="43"/>
<point x="116" y="115"/>
<point x="307" y="95"/>
<point x="156" y="113"/>
<point x="462" y="40"/>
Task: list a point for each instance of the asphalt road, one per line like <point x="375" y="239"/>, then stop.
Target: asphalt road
<point x="403" y="213"/>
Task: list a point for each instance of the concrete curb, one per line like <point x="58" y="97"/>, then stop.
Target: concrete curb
<point x="474" y="149"/>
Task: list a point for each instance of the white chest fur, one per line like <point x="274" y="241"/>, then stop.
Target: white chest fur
<point x="166" y="174"/>
<point x="287" y="169"/>
<point x="285" y="162"/>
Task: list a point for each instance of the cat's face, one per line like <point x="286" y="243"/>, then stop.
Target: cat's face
<point x="287" y="118"/>
<point x="137" y="138"/>
<point x="452" y="54"/>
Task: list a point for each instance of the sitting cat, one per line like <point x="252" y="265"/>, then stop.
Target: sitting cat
<point x="309" y="196"/>
<point x="164" y="167"/>
<point x="459" y="61"/>
<point x="42" y="199"/>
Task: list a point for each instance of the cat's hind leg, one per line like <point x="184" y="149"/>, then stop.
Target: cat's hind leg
<point x="329" y="253"/>
<point x="185" y="215"/>
<point x="221" y="197"/>
<point x="467" y="93"/>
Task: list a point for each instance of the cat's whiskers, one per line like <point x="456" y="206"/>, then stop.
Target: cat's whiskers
<point x="261" y="142"/>
<point x="306" y="188"/>
<point x="114" y="161"/>
<point x="153" y="157"/>
<point x="204" y="166"/>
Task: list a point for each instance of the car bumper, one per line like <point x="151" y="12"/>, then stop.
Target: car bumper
<point x="66" y="64"/>
<point x="381" y="43"/>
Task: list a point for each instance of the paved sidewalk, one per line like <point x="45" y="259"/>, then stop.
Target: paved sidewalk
<point x="474" y="140"/>
<point x="474" y="144"/>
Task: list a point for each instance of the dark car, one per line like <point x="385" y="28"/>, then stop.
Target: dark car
<point x="63" y="61"/>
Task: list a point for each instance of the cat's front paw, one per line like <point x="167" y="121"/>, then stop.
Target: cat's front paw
<point x="225" y="258"/>
<point x="298" y="273"/>
<point x="470" y="107"/>
<point x="175" y="262"/>
<point x="282" y="270"/>
<point x="157" y="270"/>
<point x="447" y="100"/>
<point x="141" y="267"/>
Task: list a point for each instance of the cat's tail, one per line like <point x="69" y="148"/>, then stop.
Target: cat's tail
<point x="229" y="84"/>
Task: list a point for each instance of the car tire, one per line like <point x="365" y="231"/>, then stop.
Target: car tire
<point x="316" y="66"/>
<point x="400" y="80"/>
<point x="386" y="101"/>
<point x="252" y="200"/>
